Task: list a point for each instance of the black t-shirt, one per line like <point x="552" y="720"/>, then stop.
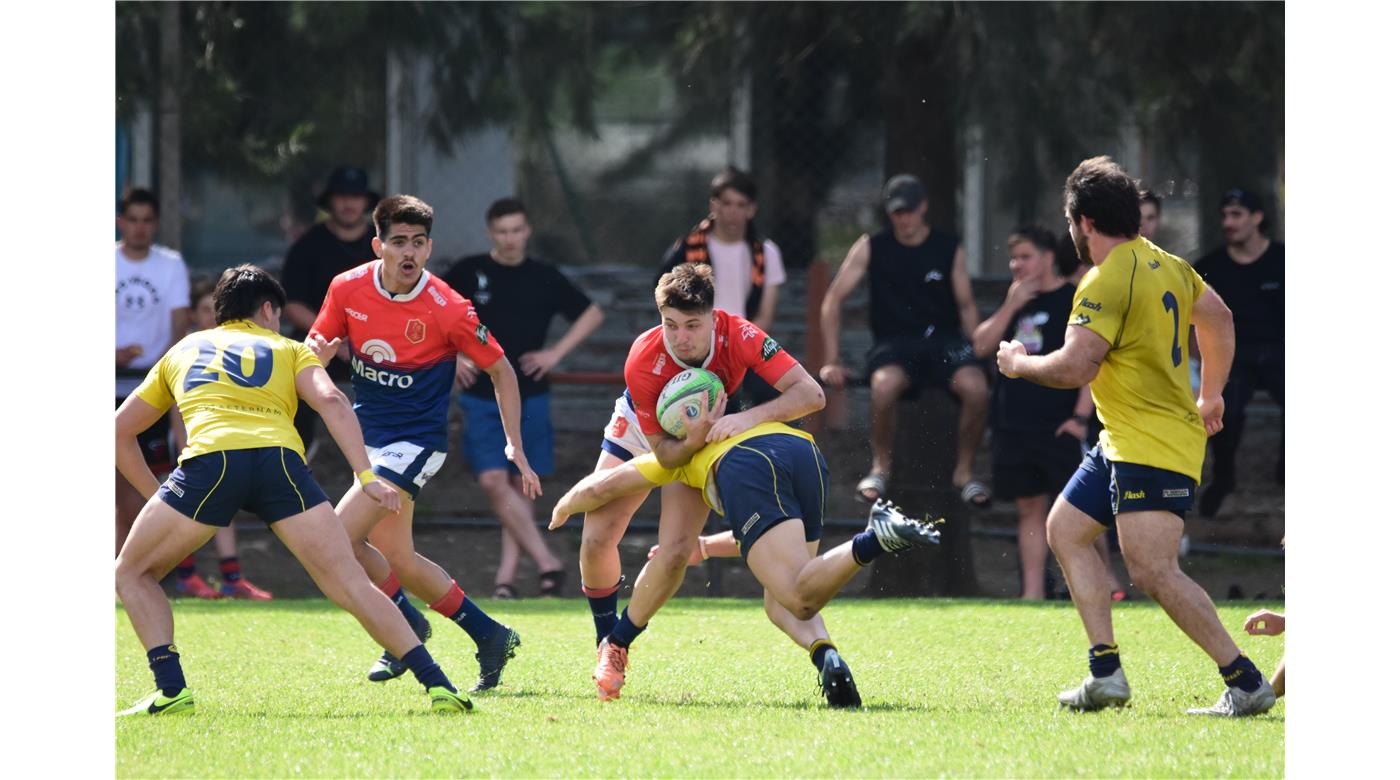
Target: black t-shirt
<point x="517" y="304"/>
<point x="312" y="262"/>
<point x="911" y="287"/>
<point x="1022" y="405"/>
<point x="1253" y="292"/>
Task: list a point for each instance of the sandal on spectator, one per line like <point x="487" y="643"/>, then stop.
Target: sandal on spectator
<point x="874" y="481"/>
<point x="552" y="583"/>
<point x="975" y="493"/>
<point x="505" y="591"/>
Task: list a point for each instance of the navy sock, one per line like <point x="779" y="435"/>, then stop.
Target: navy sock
<point x="186" y="568"/>
<point x="1104" y="660"/>
<point x="426" y="669"/>
<point x="410" y="613"/>
<point x="817" y="652"/>
<point x="1242" y="674"/>
<point x="165" y="664"/>
<point x="625" y="632"/>
<point x="604" y="609"/>
<point x="865" y="547"/>
<point x="476" y="623"/>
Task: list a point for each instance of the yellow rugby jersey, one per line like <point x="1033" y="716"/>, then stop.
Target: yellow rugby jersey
<point x="235" y="386"/>
<point x="1140" y="300"/>
<point x="698" y="471"/>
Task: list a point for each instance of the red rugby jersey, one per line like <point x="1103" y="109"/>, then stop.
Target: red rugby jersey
<point x="736" y="346"/>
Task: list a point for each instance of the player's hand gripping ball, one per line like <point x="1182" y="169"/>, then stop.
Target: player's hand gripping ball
<point x="688" y="395"/>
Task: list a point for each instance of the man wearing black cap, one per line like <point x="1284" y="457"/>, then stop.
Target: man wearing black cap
<point x="336" y="244"/>
<point x="1248" y="274"/>
<point x="921" y="310"/>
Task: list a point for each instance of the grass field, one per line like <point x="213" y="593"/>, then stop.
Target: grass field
<point x="961" y="688"/>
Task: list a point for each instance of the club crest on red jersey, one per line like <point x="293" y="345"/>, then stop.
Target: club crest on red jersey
<point x="415" y="331"/>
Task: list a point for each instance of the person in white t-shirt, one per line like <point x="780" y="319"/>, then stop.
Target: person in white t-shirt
<point x="153" y="312"/>
<point x="748" y="268"/>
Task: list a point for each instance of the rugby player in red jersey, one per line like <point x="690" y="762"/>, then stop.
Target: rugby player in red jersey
<point x="405" y="328"/>
<point x="692" y="334"/>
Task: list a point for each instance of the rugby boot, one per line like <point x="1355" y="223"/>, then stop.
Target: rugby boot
<point x="387" y="667"/>
<point x="1095" y="693"/>
<point x="897" y="532"/>
<point x="836" y="682"/>
<point x="609" y="674"/>
<point x="243" y="589"/>
<point x="157" y="703"/>
<point x="194" y="585"/>
<point x="448" y="701"/>
<point x="492" y="658"/>
<point x="1239" y="703"/>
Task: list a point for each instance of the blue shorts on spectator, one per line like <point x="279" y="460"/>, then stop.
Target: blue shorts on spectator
<point x="484" y="439"/>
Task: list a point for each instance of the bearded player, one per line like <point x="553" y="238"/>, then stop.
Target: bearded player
<point x="405" y="328"/>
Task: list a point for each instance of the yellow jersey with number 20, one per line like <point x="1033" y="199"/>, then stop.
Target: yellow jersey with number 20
<point x="235" y="386"/>
<point x="1140" y="301"/>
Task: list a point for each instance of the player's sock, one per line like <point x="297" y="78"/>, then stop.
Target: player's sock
<point x="455" y="606"/>
<point x="186" y="568"/>
<point x="603" y="602"/>
<point x="230" y="569"/>
<point x="817" y="652"/>
<point x="391" y="588"/>
<point x="1242" y="674"/>
<point x="165" y="665"/>
<point x="625" y="632"/>
<point x="429" y="674"/>
<point x="865" y="547"/>
<point x="1104" y="660"/>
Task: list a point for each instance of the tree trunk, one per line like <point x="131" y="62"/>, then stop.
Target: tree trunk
<point x="170" y="77"/>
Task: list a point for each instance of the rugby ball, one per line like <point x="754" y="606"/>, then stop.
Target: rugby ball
<point x="687" y="396"/>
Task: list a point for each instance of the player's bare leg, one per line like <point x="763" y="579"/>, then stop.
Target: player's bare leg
<point x="789" y="569"/>
<point x="886" y="385"/>
<point x="1071" y="534"/>
<point x="804" y="632"/>
<point x="160" y="538"/>
<point x="969" y="384"/>
<point x="128" y="506"/>
<point x="683" y="516"/>
<point x="1032" y="514"/>
<point x="1150" y="543"/>
<point x="599" y="564"/>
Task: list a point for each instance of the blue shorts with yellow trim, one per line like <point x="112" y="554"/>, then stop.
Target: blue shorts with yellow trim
<point x="271" y="482"/>
<point x="1104" y="489"/>
<point x="767" y="479"/>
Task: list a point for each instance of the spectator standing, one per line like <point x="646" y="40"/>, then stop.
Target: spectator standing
<point x="921" y="307"/>
<point x="1248" y="274"/>
<point x="152" y="313"/>
<point x="748" y="267"/>
<point x="332" y="246"/>
<point x="187" y="579"/>
<point x="1151" y="207"/>
<point x="516" y="296"/>
<point x="1037" y="432"/>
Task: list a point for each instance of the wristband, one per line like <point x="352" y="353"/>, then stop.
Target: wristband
<point x="365" y="477"/>
<point x="704" y="554"/>
<point x="1082" y="419"/>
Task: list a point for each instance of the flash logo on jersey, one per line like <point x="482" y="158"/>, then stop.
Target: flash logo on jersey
<point x="770" y="348"/>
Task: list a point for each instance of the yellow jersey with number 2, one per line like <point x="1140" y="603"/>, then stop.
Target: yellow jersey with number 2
<point x="235" y="385"/>
<point x="1140" y="301"/>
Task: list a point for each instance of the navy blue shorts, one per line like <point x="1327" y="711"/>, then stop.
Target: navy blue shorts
<point x="484" y="438"/>
<point x="767" y="479"/>
<point x="1103" y="489"/>
<point x="271" y="482"/>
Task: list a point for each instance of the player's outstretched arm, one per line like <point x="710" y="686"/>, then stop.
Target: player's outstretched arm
<point x="1071" y="366"/>
<point x="721" y="545"/>
<point x="315" y="387"/>
<point x="134" y="416"/>
<point x="508" y="401"/>
<point x="598" y="489"/>
<point x="798" y="396"/>
<point x="1215" y="334"/>
<point x="852" y="270"/>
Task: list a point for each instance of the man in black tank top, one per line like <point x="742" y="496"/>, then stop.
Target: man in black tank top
<point x="921" y="307"/>
<point x="1037" y="431"/>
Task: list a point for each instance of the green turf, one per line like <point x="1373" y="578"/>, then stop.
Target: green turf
<point x="961" y="688"/>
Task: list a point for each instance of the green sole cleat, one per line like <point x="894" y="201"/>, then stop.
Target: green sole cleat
<point x="157" y="703"/>
<point x="448" y="702"/>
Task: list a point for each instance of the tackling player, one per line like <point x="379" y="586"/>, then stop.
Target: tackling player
<point x="237" y="387"/>
<point x="770" y="483"/>
<point x="1127" y="338"/>
<point x="405" y="328"/>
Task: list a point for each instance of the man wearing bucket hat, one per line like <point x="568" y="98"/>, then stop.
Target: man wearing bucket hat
<point x="336" y="244"/>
